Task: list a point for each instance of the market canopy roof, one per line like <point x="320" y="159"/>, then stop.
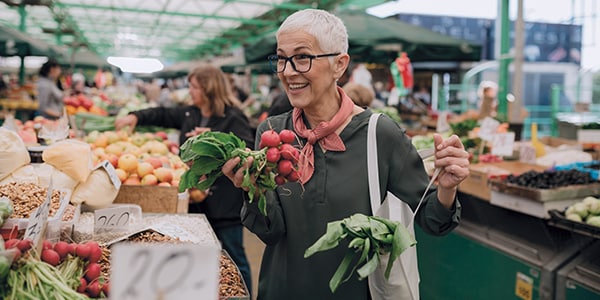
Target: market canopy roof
<point x="172" y="31"/>
<point x="372" y="39"/>
<point x="17" y="43"/>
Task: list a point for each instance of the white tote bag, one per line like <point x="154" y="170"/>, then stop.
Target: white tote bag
<point x="403" y="283"/>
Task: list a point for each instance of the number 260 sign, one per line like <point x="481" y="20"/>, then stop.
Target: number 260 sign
<point x="181" y="271"/>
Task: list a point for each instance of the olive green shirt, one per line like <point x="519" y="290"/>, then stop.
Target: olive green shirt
<point x="298" y="215"/>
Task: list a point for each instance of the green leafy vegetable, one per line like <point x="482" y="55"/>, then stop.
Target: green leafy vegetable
<point x="370" y="237"/>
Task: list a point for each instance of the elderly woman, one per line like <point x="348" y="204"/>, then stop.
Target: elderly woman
<point x="311" y="55"/>
<point x="214" y="108"/>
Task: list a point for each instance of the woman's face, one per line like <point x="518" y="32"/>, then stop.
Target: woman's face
<point x="196" y="92"/>
<point x="310" y="89"/>
<point x="55" y="72"/>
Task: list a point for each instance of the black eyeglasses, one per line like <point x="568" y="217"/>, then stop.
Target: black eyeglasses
<point x="301" y="63"/>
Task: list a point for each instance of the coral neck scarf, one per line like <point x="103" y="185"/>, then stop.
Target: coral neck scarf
<point x="324" y="133"/>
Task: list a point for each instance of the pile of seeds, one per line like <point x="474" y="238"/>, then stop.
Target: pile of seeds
<point x="26" y="197"/>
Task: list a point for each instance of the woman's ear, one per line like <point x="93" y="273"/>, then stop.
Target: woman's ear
<point x="340" y="65"/>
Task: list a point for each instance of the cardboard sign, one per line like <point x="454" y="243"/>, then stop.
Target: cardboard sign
<point x="488" y="128"/>
<point x="175" y="231"/>
<point x="38" y="222"/>
<point x="527" y="154"/>
<point x="112" y="173"/>
<point x="116" y="218"/>
<point x="164" y="271"/>
<point x="503" y="144"/>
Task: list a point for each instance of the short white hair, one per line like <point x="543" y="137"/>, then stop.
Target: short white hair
<point x="328" y="29"/>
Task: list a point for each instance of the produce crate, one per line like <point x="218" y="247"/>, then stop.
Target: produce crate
<point x="588" y="167"/>
<point x="558" y="219"/>
<point x="247" y="297"/>
<point x="152" y="199"/>
<point x="16" y="227"/>
<point x="477" y="184"/>
<point x="544" y="195"/>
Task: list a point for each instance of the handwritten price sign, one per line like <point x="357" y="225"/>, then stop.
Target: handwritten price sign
<point x="183" y="271"/>
<point x="488" y="128"/>
<point x="503" y="144"/>
<point x="38" y="222"/>
<point x="115" y="218"/>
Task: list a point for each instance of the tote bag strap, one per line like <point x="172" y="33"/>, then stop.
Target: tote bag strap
<point x="372" y="165"/>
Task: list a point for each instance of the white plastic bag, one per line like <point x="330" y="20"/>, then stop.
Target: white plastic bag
<point x="403" y="282"/>
<point x="13" y="153"/>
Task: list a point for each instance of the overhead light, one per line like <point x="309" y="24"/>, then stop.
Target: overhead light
<point x="135" y="65"/>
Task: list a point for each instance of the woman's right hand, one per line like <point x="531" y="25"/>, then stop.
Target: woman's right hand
<point x="235" y="174"/>
<point x="129" y="120"/>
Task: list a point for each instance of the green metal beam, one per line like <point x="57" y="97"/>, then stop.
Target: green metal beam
<point x="169" y="13"/>
<point x="504" y="43"/>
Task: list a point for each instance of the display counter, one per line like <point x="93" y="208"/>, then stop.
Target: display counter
<point x="504" y="253"/>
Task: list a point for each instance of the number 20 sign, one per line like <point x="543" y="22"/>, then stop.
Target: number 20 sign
<point x="181" y="271"/>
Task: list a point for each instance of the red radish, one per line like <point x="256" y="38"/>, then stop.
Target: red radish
<point x="62" y="248"/>
<point x="284" y="167"/>
<point x="51" y="257"/>
<point x="273" y="154"/>
<point x="293" y="176"/>
<point x="46" y="244"/>
<point x="17" y="253"/>
<point x="106" y="288"/>
<point x="95" y="253"/>
<point x="24" y="245"/>
<point x="287" y="136"/>
<point x="82" y="286"/>
<point x="72" y="249"/>
<point x="289" y="152"/>
<point x="279" y="179"/>
<point x="83" y="251"/>
<point x="270" y="138"/>
<point x="12" y="243"/>
<point x="93" y="289"/>
<point x="92" y="271"/>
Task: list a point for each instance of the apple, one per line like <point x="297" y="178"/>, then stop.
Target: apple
<point x="164" y="184"/>
<point x="138" y="139"/>
<point x="101" y="141"/>
<point x="113" y="159"/>
<point x="149" y="179"/>
<point x="164" y="174"/>
<point x="132" y="180"/>
<point x="154" y="161"/>
<point x="123" y="135"/>
<point x="122" y="174"/>
<point x="128" y="162"/>
<point x="162" y="135"/>
<point x="111" y="136"/>
<point x="144" y="168"/>
<point x="116" y="149"/>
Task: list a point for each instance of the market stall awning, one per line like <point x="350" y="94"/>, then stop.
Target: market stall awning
<point x="373" y="39"/>
<point x="16" y="43"/>
<point x="84" y="58"/>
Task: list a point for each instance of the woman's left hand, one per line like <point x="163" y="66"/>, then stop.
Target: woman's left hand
<point x="452" y="159"/>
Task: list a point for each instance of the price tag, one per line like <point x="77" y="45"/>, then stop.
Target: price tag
<point x="174" y="231"/>
<point x="527" y="154"/>
<point x="488" y="128"/>
<point x="113" y="218"/>
<point x="181" y="271"/>
<point x="442" y="122"/>
<point x="524" y="286"/>
<point x="38" y="222"/>
<point x="503" y="144"/>
<point x="112" y="173"/>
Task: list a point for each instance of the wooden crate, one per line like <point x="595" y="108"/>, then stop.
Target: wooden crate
<point x="152" y="199"/>
<point x="477" y="183"/>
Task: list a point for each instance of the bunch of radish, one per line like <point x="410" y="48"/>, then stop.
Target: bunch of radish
<point x="282" y="154"/>
<point x="272" y="165"/>
<point x="63" y="269"/>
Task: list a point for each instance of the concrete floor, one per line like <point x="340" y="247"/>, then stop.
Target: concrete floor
<point x="254" y="250"/>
